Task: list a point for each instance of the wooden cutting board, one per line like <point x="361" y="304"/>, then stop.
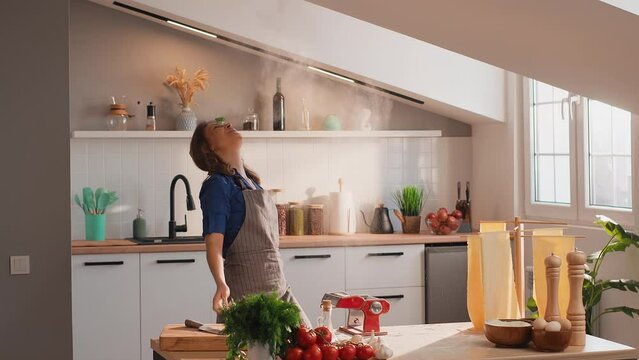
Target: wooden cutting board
<point x="177" y="337"/>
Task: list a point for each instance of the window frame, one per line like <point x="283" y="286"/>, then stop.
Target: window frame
<point x="578" y="211"/>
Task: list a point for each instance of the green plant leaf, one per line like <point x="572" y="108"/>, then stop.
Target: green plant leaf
<point x="531" y="305"/>
<point x="409" y="200"/>
<point x="622" y="309"/>
<point x="621" y="284"/>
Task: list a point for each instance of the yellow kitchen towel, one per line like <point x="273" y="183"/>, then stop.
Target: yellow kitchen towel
<point x="491" y="226"/>
<point x="546" y="242"/>
<point x="498" y="280"/>
<point x="474" y="291"/>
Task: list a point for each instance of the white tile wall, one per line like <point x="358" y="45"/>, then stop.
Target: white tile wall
<point x="140" y="171"/>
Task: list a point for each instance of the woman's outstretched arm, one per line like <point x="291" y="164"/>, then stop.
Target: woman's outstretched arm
<point x="214" y="244"/>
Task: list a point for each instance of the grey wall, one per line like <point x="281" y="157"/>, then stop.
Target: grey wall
<point x="34" y="152"/>
<point x="113" y="53"/>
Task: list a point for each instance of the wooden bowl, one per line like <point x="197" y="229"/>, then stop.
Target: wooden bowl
<point x="551" y="341"/>
<point x="508" y="336"/>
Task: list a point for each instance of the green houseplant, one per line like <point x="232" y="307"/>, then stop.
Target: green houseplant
<point x="261" y="320"/>
<point x="409" y="201"/>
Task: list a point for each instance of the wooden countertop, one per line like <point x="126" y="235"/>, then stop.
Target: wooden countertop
<point x="120" y="246"/>
<point x="456" y="341"/>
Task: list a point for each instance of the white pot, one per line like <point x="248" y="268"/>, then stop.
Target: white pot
<point x="186" y="120"/>
<point x="259" y="352"/>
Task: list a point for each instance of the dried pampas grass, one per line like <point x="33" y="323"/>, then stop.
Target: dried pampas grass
<point x="186" y="87"/>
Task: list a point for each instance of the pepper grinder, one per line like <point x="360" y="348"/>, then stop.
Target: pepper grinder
<point x="553" y="266"/>
<point x="576" y="311"/>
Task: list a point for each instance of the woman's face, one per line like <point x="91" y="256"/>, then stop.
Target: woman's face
<point x="223" y="138"/>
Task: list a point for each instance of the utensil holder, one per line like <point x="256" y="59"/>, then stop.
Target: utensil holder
<point x="95" y="227"/>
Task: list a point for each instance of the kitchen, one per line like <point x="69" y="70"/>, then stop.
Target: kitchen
<point x="361" y="139"/>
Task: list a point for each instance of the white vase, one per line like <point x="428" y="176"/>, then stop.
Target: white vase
<point x="259" y="352"/>
<point x="186" y="120"/>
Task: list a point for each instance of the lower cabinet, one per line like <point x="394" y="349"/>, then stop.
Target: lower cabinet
<point x="173" y="287"/>
<point x="106" y="307"/>
<point x="407" y="304"/>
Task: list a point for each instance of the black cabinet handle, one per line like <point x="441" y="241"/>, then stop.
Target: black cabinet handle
<point x="399" y="296"/>
<point x="323" y="256"/>
<point x="399" y="253"/>
<point x="175" y="261"/>
<point x="103" y="263"/>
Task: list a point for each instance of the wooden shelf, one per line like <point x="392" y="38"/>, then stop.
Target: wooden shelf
<point x="133" y="134"/>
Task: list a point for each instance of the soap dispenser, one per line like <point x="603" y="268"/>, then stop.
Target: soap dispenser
<point x="139" y="226"/>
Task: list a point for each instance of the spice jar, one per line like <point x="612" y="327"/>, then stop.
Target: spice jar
<point x="295" y="219"/>
<point x="282" y="209"/>
<point x="316" y="219"/>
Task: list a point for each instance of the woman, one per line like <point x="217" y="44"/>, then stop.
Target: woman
<point x="239" y="220"/>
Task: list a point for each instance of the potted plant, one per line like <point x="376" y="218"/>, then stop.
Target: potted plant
<point x="94" y="205"/>
<point x="186" y="88"/>
<point x="262" y="323"/>
<point x="409" y="201"/>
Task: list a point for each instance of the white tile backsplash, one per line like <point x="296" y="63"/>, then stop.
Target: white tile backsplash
<point x="141" y="171"/>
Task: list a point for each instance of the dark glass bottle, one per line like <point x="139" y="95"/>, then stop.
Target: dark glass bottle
<point x="278" y="108"/>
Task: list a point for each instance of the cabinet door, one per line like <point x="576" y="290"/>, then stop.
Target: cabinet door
<point x="407" y="304"/>
<point x="384" y="266"/>
<point x="312" y="272"/>
<point x="106" y="307"/>
<point x="174" y="287"/>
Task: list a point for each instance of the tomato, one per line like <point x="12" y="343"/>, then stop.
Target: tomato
<point x="305" y="338"/>
<point x="452" y="223"/>
<point x="445" y="230"/>
<point x="329" y="352"/>
<point x="442" y="214"/>
<point x="293" y="353"/>
<point x="312" y="353"/>
<point x="458" y="214"/>
<point x="347" y="352"/>
<point x="324" y="335"/>
<point x="431" y="216"/>
<point x="365" y="352"/>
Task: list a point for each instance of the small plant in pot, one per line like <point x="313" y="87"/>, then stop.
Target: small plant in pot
<point x="262" y="323"/>
<point x="409" y="201"/>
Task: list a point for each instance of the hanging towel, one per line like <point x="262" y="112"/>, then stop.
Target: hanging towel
<point x="485" y="227"/>
<point x="498" y="279"/>
<point x="474" y="291"/>
<point x="546" y="242"/>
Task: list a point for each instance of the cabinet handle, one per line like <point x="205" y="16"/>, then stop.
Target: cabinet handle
<point x="399" y="253"/>
<point x="323" y="256"/>
<point x="399" y="296"/>
<point x="175" y="261"/>
<point x="103" y="263"/>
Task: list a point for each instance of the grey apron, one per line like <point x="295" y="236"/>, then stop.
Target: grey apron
<point x="253" y="263"/>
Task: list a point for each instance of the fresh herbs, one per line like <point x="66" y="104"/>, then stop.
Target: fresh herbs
<point x="409" y="200"/>
<point x="259" y="319"/>
<point x="95" y="203"/>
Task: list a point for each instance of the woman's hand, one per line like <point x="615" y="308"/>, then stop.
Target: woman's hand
<point x="221" y="298"/>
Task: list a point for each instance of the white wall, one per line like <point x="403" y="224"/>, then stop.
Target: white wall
<point x="141" y="170"/>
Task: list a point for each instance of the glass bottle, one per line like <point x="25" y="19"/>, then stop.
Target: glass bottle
<point x="278" y="108"/>
<point x="325" y="319"/>
<point x="251" y="121"/>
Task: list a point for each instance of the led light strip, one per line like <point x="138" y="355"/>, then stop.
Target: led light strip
<point x="330" y="73"/>
<point x="195" y="30"/>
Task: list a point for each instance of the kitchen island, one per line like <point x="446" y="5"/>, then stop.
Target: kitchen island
<point x="453" y="341"/>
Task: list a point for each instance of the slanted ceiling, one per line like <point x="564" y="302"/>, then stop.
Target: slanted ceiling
<point x="450" y="84"/>
<point x="586" y="46"/>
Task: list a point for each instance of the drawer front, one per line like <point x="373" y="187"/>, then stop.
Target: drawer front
<point x="407" y="304"/>
<point x="312" y="272"/>
<point x="372" y="267"/>
<point x="106" y="296"/>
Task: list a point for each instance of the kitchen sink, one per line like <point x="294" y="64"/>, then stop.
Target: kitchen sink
<point x="167" y="240"/>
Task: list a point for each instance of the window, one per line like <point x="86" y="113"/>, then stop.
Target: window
<point x="551" y="145"/>
<point x="609" y="156"/>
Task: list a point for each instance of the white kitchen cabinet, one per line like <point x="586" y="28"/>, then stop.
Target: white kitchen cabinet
<point x="370" y="267"/>
<point x="312" y="272"/>
<point x="173" y="287"/>
<point x="407" y="304"/>
<point x="106" y="307"/>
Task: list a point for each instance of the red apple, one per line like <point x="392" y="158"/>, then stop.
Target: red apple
<point x="458" y="214"/>
<point x="445" y="230"/>
<point x="442" y="214"/>
<point x="452" y="223"/>
<point x="431" y="216"/>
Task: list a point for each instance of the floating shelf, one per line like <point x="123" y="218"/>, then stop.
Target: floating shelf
<point x="135" y="134"/>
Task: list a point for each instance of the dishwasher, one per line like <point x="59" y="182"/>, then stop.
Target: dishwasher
<point x="446" y="274"/>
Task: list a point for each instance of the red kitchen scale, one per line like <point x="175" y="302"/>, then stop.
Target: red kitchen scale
<point x="363" y="312"/>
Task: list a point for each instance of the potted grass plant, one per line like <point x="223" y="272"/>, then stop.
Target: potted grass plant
<point x="262" y="323"/>
<point x="409" y="201"/>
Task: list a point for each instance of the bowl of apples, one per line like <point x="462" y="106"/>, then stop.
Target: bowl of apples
<point x="443" y="222"/>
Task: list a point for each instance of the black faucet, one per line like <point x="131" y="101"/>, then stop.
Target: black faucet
<point x="190" y="205"/>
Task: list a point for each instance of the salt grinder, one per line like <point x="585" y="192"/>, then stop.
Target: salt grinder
<point x="576" y="311"/>
<point x="553" y="266"/>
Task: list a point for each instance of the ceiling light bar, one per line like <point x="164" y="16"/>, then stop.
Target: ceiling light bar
<point x="330" y="73"/>
<point x="195" y="30"/>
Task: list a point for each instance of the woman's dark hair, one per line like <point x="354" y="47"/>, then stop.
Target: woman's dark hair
<point x="207" y="160"/>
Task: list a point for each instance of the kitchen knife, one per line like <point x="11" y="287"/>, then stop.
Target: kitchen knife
<point x="198" y="325"/>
